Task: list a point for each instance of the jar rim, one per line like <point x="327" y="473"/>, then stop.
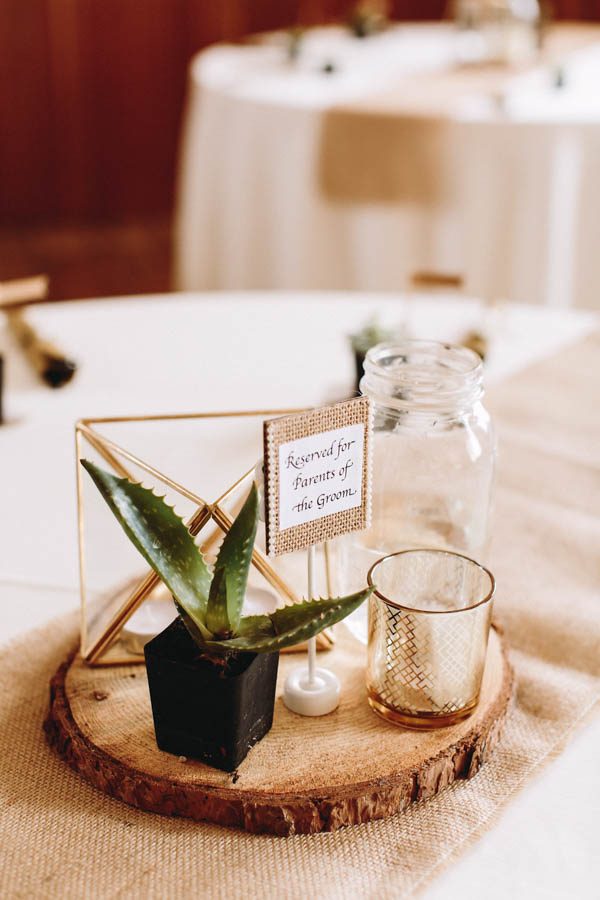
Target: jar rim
<point x="431" y="612"/>
<point x="458" y="352"/>
<point x="431" y="374"/>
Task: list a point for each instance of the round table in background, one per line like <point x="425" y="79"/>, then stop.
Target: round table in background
<point x="517" y="212"/>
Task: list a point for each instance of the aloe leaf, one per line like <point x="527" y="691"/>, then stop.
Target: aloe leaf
<point x="196" y="629"/>
<point x="228" y="589"/>
<point x="161" y="537"/>
<point x="217" y="618"/>
<point x="290" y="625"/>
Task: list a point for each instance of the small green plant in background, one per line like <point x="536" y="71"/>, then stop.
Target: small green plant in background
<point x="369" y="335"/>
<point x="208" y="598"/>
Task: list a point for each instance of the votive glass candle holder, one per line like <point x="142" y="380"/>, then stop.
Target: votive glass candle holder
<point x="429" y="623"/>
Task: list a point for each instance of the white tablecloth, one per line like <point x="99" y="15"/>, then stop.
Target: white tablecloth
<point x="521" y="221"/>
<point x="236" y="351"/>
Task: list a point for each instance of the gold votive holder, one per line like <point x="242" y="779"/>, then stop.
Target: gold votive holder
<point x="429" y="622"/>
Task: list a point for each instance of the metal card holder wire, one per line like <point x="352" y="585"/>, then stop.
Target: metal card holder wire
<point x="102" y="648"/>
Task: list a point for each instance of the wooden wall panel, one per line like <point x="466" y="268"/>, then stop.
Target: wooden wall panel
<point x="91" y="94"/>
<point x="133" y="87"/>
<point x="578" y="9"/>
<point x="27" y="165"/>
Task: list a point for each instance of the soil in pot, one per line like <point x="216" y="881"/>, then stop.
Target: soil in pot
<point x="209" y="708"/>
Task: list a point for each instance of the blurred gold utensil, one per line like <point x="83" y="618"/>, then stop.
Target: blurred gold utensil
<point x="23" y="291"/>
<point x="436" y="280"/>
<point x="48" y="361"/>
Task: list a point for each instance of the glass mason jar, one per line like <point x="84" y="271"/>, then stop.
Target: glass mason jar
<point x="433" y="456"/>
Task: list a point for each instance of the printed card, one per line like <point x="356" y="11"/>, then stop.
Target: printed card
<point x="317" y="475"/>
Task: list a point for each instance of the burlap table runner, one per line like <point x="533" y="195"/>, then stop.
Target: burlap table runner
<point x="61" y="838"/>
<point x="388" y="147"/>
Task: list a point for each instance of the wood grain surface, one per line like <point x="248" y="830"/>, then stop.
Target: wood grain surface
<point x="307" y="775"/>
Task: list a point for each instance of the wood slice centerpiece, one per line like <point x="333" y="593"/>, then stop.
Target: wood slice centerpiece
<point x="307" y="775"/>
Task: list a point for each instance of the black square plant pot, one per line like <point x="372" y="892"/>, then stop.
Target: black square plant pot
<point x="214" y="711"/>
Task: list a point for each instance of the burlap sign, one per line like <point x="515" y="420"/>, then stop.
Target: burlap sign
<point x="317" y="475"/>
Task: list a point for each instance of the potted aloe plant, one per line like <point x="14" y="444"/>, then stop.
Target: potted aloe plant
<point x="212" y="672"/>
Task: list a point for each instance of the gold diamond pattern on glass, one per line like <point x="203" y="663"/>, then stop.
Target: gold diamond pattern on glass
<point x="429" y="622"/>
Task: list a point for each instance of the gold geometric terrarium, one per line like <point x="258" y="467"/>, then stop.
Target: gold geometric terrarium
<point x="203" y="463"/>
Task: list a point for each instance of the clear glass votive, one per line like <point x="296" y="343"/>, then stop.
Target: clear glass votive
<point x="429" y="622"/>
